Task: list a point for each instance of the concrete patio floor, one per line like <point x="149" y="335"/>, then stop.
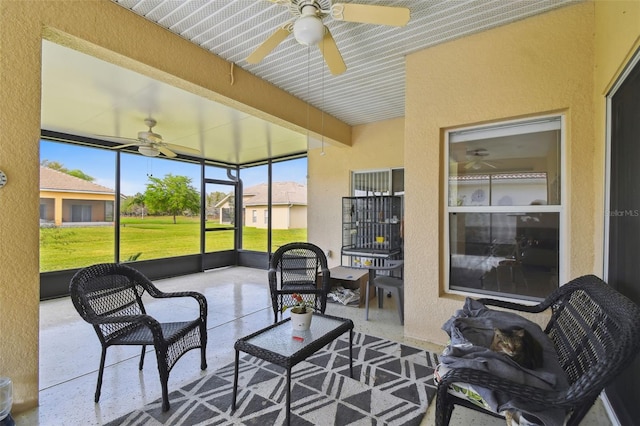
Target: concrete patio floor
<point x="239" y="304"/>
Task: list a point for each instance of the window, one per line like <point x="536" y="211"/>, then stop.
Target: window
<point x="289" y="202"/>
<point x="159" y="209"/>
<point x="80" y="213"/>
<point x="266" y="216"/>
<point x="504" y="208"/>
<point x="254" y="216"/>
<point x="77" y="192"/>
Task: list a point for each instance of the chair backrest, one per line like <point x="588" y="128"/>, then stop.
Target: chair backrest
<point x="298" y="263"/>
<point x="108" y="290"/>
<point x="596" y="332"/>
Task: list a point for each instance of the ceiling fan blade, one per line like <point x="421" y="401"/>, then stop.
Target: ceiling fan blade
<point x="125" y="145"/>
<point x="371" y="14"/>
<point x="118" y="137"/>
<point x="183" y="149"/>
<point x="332" y="56"/>
<point x="268" y="45"/>
<point x="166" y="151"/>
<point x="469" y="165"/>
<point x="489" y="165"/>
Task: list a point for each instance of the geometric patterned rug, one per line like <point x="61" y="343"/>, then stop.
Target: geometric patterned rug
<point x="392" y="385"/>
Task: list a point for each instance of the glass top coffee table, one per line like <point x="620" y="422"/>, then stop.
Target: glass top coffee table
<point x="282" y="346"/>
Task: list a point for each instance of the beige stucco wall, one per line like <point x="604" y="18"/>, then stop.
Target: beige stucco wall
<point x="282" y="217"/>
<point x="108" y="31"/>
<point x="60" y="205"/>
<point x="374" y="146"/>
<point x="540" y="65"/>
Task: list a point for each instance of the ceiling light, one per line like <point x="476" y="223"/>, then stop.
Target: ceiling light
<point x="308" y="29"/>
<point x="149" y="151"/>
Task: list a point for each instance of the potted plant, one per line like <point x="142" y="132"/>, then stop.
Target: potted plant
<point x="301" y="313"/>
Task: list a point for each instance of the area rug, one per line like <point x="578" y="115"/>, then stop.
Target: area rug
<point x="392" y="385"/>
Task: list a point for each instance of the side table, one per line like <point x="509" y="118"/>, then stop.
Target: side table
<point x="280" y="345"/>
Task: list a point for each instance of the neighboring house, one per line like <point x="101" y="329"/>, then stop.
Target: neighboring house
<point x="288" y="211"/>
<point x="66" y="199"/>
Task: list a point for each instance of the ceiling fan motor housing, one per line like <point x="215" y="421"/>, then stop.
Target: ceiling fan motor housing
<point x="150" y="136"/>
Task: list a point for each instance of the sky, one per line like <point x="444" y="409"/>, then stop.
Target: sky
<point x="100" y="164"/>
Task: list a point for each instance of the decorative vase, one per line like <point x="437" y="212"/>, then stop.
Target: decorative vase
<point x="301" y="322"/>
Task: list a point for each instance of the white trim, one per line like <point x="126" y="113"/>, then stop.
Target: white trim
<point x="514" y="127"/>
<point x="510" y="128"/>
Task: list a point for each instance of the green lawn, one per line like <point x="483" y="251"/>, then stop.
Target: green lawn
<point x="153" y="237"/>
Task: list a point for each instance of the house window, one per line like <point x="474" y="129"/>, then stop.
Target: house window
<point x="504" y="210"/>
<point x="80" y="213"/>
<point x="108" y="211"/>
<point x="266" y="216"/>
<point x="254" y="216"/>
<point x="377" y="182"/>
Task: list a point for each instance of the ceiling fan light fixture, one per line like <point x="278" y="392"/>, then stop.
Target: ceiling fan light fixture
<point x="148" y="151"/>
<point x="308" y="30"/>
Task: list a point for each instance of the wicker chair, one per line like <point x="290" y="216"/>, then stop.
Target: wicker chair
<point x="109" y="297"/>
<point x="596" y="334"/>
<point x="294" y="268"/>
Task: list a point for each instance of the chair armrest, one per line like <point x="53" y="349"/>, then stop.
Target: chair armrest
<point x="516" y="306"/>
<point x="199" y="297"/>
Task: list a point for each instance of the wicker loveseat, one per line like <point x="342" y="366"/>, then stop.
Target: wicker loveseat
<point x="596" y="334"/>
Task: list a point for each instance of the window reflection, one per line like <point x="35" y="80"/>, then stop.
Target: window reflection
<point x="515" y="253"/>
<point x="504" y="208"/>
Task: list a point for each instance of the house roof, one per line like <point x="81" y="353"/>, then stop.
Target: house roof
<point x="282" y="193"/>
<point x="54" y="180"/>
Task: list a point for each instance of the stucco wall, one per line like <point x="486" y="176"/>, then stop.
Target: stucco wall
<point x="374" y="146"/>
<point x="536" y="66"/>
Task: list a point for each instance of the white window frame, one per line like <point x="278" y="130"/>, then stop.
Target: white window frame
<point x="561" y="209"/>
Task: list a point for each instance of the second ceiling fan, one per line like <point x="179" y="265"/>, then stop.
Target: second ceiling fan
<point x="308" y="27"/>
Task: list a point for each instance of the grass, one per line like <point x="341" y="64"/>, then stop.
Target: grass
<point x="153" y="237"/>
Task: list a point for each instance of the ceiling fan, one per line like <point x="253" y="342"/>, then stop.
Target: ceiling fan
<point x="475" y="159"/>
<point x="308" y="28"/>
<point x="151" y="144"/>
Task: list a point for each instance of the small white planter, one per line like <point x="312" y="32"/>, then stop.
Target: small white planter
<point x="301" y="322"/>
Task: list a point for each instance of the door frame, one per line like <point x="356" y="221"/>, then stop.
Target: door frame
<point x="635" y="61"/>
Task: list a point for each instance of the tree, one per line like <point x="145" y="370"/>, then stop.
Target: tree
<point x="55" y="165"/>
<point x="133" y="205"/>
<point x="172" y="195"/>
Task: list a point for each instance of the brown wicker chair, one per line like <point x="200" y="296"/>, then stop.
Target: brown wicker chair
<point x="109" y="297"/>
<point x="295" y="268"/>
<point x="596" y="333"/>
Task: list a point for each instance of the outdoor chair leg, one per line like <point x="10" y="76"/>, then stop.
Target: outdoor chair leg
<point x="203" y="358"/>
<point x="141" y="358"/>
<point x="165" y="393"/>
<point x="400" y="302"/>
<point x="99" y="385"/>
